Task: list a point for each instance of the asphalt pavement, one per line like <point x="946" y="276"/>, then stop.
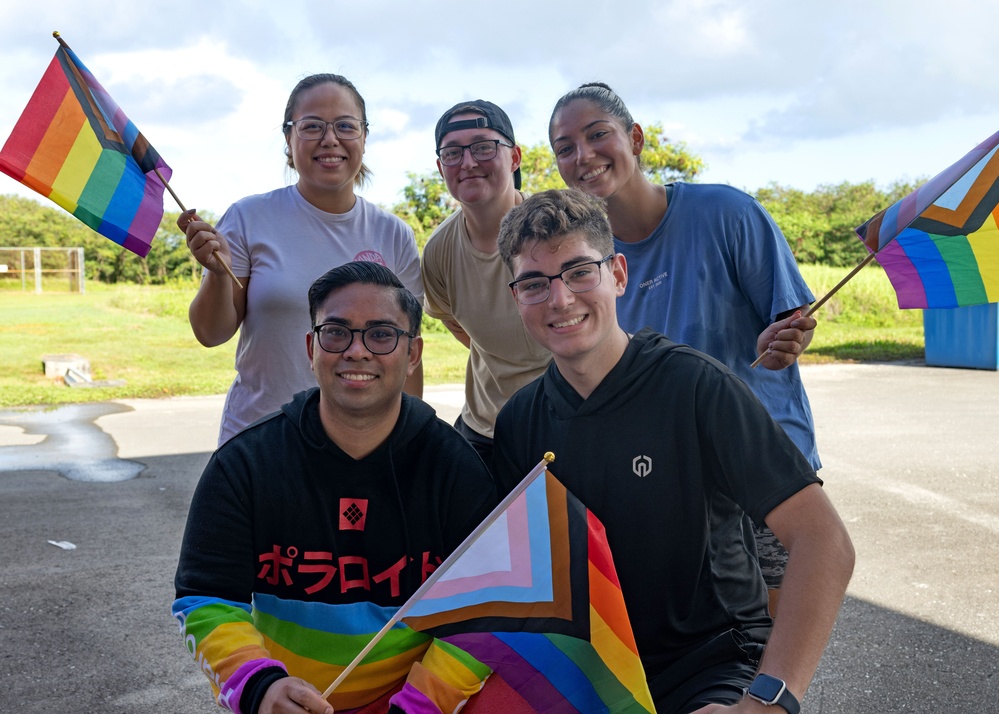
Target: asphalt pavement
<point x="93" y="500"/>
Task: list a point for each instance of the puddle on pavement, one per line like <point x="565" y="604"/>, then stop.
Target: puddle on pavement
<point x="73" y="444"/>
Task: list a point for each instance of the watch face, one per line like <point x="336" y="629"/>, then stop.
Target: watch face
<point x="766" y="688"/>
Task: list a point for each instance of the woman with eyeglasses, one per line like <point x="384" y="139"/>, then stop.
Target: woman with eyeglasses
<point x="278" y="243"/>
<point x="707" y="266"/>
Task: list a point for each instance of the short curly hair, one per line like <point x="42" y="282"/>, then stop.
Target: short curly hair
<point x="554" y="214"/>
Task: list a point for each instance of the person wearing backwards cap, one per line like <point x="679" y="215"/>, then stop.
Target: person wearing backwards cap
<point x="465" y="280"/>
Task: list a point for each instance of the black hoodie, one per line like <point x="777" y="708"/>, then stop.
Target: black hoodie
<point x="670" y="451"/>
<point x="282" y="517"/>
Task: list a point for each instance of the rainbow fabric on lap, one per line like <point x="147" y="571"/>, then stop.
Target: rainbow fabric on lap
<point x="315" y="641"/>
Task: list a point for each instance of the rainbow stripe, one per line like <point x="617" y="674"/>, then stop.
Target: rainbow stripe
<point x="316" y="641"/>
<point x="940" y="244"/>
<point x="537" y="599"/>
<point x="74" y="145"/>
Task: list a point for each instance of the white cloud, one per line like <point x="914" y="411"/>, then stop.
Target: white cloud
<point x="773" y="90"/>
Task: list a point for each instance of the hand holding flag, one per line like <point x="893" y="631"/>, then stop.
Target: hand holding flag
<point x="784" y="341"/>
<point x="206" y="244"/>
<point x="939" y="246"/>
<point x="208" y="247"/>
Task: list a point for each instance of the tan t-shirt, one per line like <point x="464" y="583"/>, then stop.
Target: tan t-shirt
<point x="470" y="287"/>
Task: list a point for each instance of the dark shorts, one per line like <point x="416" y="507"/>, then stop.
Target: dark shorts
<point x="717" y="672"/>
<point x="482" y="444"/>
<point x="772" y="556"/>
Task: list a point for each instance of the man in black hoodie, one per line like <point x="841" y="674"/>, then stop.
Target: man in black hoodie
<point x="311" y="527"/>
<point x="670" y="451"/>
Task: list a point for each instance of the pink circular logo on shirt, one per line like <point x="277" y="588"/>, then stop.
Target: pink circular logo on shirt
<point x="371" y="256"/>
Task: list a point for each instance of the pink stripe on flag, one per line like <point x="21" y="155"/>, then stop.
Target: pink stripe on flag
<point x="518" y="547"/>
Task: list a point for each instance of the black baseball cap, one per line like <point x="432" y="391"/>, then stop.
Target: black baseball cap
<point x="492" y="117"/>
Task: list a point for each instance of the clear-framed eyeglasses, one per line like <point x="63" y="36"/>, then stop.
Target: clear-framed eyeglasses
<point x="484" y="150"/>
<point x="315" y="129"/>
<point x="377" y="339"/>
<point x="579" y="279"/>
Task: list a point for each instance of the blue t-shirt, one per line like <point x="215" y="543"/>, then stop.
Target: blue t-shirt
<point x="714" y="274"/>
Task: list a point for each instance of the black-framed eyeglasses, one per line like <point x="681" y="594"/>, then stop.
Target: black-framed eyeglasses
<point x="579" y="279"/>
<point x="484" y="150"/>
<point x="315" y="129"/>
<point x="377" y="339"/>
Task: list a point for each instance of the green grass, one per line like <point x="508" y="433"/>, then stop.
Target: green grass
<point x="132" y="333"/>
<point x="141" y="335"/>
<point x="861" y="322"/>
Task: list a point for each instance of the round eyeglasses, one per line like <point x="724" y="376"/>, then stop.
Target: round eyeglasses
<point x="579" y="279"/>
<point x="315" y="129"/>
<point x="377" y="339"/>
<point x="484" y="150"/>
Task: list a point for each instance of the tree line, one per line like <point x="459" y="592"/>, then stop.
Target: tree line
<point x="26" y="223"/>
<point x="819" y="225"/>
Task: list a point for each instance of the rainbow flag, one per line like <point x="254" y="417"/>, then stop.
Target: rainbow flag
<point x="536" y="598"/>
<point x="74" y="145"/>
<point x="940" y="244"/>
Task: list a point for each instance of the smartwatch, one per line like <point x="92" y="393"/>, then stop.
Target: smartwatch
<point x="771" y="690"/>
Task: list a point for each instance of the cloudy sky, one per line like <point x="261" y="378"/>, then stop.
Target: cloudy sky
<point x="798" y="92"/>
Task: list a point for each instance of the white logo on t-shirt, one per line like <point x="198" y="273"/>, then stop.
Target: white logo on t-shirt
<point x="653" y="282"/>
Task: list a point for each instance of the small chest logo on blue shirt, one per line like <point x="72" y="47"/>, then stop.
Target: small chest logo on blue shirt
<point x="641" y="465"/>
<point x="653" y="282"/>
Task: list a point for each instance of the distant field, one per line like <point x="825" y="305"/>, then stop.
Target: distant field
<point x="141" y="335"/>
<point x="137" y="334"/>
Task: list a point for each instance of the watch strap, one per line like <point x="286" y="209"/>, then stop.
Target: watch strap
<point x="785" y="699"/>
<point x="788" y="701"/>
